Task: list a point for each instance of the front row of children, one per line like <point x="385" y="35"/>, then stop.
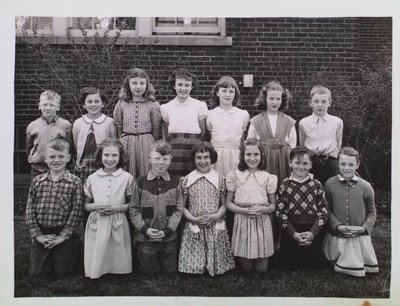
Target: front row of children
<point x="157" y="201"/>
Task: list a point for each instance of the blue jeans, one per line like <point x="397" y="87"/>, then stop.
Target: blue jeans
<point x="156" y="257"/>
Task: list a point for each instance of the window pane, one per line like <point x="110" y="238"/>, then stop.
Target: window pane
<point x="83" y="22"/>
<point x="125" y="23"/>
<point x="165" y="22"/>
<point x="28" y="23"/>
<point x="109" y="23"/>
<point x="207" y="22"/>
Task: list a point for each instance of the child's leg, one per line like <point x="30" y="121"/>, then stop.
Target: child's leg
<point x="148" y="254"/>
<point x="67" y="257"/>
<point x="261" y="265"/>
<point x="169" y="257"/>
<point x="246" y="264"/>
<point x="40" y="261"/>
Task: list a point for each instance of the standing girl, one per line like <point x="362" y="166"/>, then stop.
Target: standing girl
<point x="108" y="192"/>
<point x="275" y="130"/>
<point x="251" y="196"/>
<point x="227" y="124"/>
<point x="184" y="120"/>
<point x="352" y="216"/>
<point x="205" y="241"/>
<point x="137" y="117"/>
<point x="90" y="130"/>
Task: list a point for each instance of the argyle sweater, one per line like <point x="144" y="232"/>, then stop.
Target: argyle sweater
<point x="301" y="203"/>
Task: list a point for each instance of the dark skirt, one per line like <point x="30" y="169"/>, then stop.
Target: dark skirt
<point x="182" y="145"/>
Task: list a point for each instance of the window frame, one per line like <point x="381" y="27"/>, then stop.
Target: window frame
<point x="187" y="30"/>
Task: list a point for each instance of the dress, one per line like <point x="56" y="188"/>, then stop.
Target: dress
<point x="107" y="238"/>
<point x="138" y="120"/>
<point x="252" y="237"/>
<point x="227" y="128"/>
<point x="276" y="146"/>
<point x="205" y="247"/>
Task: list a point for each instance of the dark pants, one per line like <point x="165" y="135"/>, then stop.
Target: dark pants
<point x="63" y="259"/>
<point x="324" y="168"/>
<point x="156" y="257"/>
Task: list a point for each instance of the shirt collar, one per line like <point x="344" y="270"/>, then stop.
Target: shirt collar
<point x="353" y="180"/>
<point x="97" y="120"/>
<point x="165" y="176"/>
<point x="187" y="102"/>
<point x="260" y="176"/>
<point x="52" y="121"/>
<point x="315" y="117"/>
<point x="212" y="177"/>
<point x="117" y="172"/>
<point x="219" y="110"/>
<point x="309" y="176"/>
<point x="66" y="176"/>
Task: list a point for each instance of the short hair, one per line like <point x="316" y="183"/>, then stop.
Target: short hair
<point x="350" y="151"/>
<point x="262" y="97"/>
<point x="51" y="95"/>
<point x="182" y="73"/>
<point x="225" y="82"/>
<point x="111" y="142"/>
<point x="60" y="144"/>
<point x="252" y="142"/>
<point x="319" y="89"/>
<point x="163" y="147"/>
<point x="90" y="90"/>
<point x="202" y="147"/>
<point x="125" y="92"/>
<point x="299" y="152"/>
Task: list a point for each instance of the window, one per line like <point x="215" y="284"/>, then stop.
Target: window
<point x="42" y="25"/>
<point x="187" y="25"/>
<point x="127" y="25"/>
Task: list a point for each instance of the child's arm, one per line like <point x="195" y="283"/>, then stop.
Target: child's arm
<point x="322" y="215"/>
<point x="208" y="219"/>
<point x="292" y="137"/>
<point x="155" y="117"/>
<point x="202" y="124"/>
<point x="370" y="218"/>
<point x="230" y="196"/>
<point x="118" y="119"/>
<point x="165" y="130"/>
<point x="302" y="134"/>
<point x="29" y="139"/>
<point x="176" y="216"/>
<point x="339" y="134"/>
<point x="188" y="215"/>
<point x="30" y="214"/>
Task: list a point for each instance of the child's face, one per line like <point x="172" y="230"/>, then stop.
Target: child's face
<point x="202" y="160"/>
<point x="301" y="166"/>
<point x="252" y="156"/>
<point x="226" y="96"/>
<point x="347" y="166"/>
<point x="159" y="163"/>
<point x="110" y="159"/>
<point x="93" y="104"/>
<point x="48" y="107"/>
<point x="137" y="86"/>
<point x="56" y="160"/>
<point x="320" y="104"/>
<point x="274" y="100"/>
<point x="183" y="88"/>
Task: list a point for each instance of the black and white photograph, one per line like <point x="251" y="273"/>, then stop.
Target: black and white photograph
<point x="200" y="154"/>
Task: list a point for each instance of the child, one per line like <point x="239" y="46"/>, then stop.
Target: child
<point x="155" y="211"/>
<point x="90" y="130"/>
<point x="137" y="117"/>
<point x="184" y="120"/>
<point x="275" y="130"/>
<point x="352" y="216"/>
<point x="251" y="196"/>
<point x="108" y="193"/>
<point x="302" y="212"/>
<point x="321" y="133"/>
<point x="53" y="213"/>
<point x="44" y="129"/>
<point x="205" y="241"/>
<point x="227" y="124"/>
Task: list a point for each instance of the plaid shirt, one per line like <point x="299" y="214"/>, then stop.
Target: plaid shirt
<point x="54" y="204"/>
<point x="301" y="203"/>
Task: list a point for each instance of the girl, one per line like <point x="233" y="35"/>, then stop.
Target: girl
<point x="251" y="196"/>
<point x="205" y="241"/>
<point x="352" y="216"/>
<point x="137" y="117"/>
<point x="108" y="192"/>
<point x="275" y="130"/>
<point x="184" y="120"/>
<point x="90" y="130"/>
<point x="227" y="124"/>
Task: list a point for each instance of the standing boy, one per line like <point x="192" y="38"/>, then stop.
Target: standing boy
<point x="43" y="129"/>
<point x="156" y="210"/>
<point x="321" y="133"/>
<point x="53" y="214"/>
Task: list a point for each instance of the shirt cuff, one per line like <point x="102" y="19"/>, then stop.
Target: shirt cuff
<point x="66" y="233"/>
<point x="167" y="232"/>
<point x="35" y="231"/>
<point x="144" y="230"/>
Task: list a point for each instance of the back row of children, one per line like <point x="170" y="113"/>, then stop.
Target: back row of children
<point x="244" y="177"/>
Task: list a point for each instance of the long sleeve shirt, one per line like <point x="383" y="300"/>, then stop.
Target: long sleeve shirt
<point x="157" y="202"/>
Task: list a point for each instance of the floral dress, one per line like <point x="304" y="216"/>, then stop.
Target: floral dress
<point x="205" y="247"/>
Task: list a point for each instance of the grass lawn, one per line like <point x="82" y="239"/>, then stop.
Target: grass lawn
<point x="277" y="283"/>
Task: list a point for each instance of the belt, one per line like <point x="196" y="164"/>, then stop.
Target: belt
<point x="134" y="134"/>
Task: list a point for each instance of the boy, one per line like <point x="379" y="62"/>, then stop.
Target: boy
<point x="321" y="133"/>
<point x="155" y="211"/>
<point x="302" y="211"/>
<point x="43" y="129"/>
<point x="53" y="214"/>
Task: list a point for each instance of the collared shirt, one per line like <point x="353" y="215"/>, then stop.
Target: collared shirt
<point x="40" y="132"/>
<point x="156" y="203"/>
<point x="212" y="176"/>
<point x="321" y="134"/>
<point x="54" y="204"/>
<point x="183" y="117"/>
<point x="103" y="127"/>
<point x="151" y="176"/>
<point x="301" y="203"/>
